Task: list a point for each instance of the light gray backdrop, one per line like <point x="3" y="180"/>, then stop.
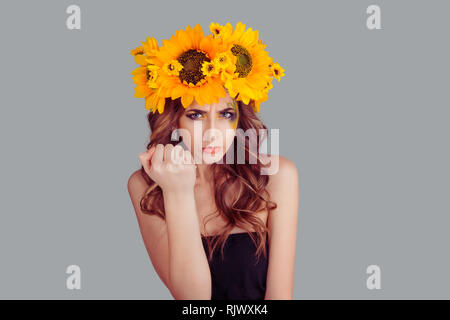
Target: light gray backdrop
<point x="363" y="114"/>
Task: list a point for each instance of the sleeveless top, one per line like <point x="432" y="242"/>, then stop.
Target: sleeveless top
<point x="240" y="275"/>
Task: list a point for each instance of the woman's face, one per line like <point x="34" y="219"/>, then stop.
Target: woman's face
<point x="211" y="128"/>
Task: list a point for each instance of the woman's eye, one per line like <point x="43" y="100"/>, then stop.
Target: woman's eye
<point x="194" y="116"/>
<point x="227" y="114"/>
<point x="197" y="115"/>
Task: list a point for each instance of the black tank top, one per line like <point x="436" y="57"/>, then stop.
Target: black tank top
<point x="240" y="275"/>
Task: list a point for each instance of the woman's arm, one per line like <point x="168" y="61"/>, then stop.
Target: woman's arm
<point x="282" y="222"/>
<point x="174" y="245"/>
<point x="190" y="275"/>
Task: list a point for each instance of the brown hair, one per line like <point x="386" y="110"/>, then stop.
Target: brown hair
<point x="252" y="196"/>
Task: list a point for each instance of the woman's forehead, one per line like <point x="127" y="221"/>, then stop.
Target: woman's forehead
<point x="222" y="104"/>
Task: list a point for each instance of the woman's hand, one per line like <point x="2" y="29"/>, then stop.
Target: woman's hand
<point x="172" y="168"/>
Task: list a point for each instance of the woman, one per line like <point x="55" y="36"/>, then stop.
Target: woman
<point x="208" y="223"/>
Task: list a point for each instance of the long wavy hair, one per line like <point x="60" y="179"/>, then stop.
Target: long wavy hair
<point x="252" y="196"/>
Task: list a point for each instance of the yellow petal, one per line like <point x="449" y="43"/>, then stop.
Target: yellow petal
<point x="186" y="100"/>
<point x="148" y="104"/>
<point x="177" y="92"/>
<point x="257" y="103"/>
<point x="161" y="105"/>
<point x="245" y="99"/>
<point x="138" y="70"/>
<point x="140" y="79"/>
<point x="141" y="91"/>
<point x="199" y="98"/>
<point x="140" y="59"/>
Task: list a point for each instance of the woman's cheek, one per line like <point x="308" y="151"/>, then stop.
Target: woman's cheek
<point x="189" y="140"/>
<point x="236" y="118"/>
<point x="229" y="138"/>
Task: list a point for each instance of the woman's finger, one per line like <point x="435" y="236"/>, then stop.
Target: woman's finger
<point x="187" y="157"/>
<point x="178" y="154"/>
<point x="158" y="155"/>
<point x="167" y="152"/>
<point x="146" y="156"/>
<point x="151" y="151"/>
<point x="145" y="162"/>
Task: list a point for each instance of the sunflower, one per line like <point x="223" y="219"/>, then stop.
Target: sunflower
<point x="226" y="64"/>
<point x="219" y="31"/>
<point x="146" y="75"/>
<point x="172" y="68"/>
<point x="277" y="71"/>
<point x="193" y="66"/>
<point x="191" y="50"/>
<point x="265" y="95"/>
<point x="210" y="68"/>
<point x="138" y="50"/>
<point x="150" y="46"/>
<point x="251" y="73"/>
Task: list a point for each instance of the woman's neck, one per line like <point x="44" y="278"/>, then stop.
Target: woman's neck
<point x="204" y="174"/>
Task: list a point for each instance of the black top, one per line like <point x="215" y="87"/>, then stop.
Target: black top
<point x="240" y="275"/>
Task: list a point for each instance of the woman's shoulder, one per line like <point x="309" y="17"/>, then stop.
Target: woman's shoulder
<point x="136" y="182"/>
<point x="280" y="166"/>
<point x="282" y="171"/>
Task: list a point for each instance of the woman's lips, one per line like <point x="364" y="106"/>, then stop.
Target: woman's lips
<point x="211" y="150"/>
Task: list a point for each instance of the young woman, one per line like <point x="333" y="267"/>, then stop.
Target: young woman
<point x="215" y="228"/>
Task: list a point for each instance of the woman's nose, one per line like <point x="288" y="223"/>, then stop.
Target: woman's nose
<point x="211" y="122"/>
<point x="211" y="129"/>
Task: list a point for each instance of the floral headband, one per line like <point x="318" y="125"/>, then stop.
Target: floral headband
<point x="193" y="66"/>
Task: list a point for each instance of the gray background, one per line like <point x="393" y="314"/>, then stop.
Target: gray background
<point x="363" y="114"/>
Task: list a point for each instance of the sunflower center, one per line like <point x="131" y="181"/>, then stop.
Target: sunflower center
<point x="191" y="61"/>
<point x="244" y="60"/>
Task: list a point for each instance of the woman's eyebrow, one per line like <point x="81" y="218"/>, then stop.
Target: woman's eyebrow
<point x="197" y="110"/>
<point x="226" y="109"/>
<point x="202" y="111"/>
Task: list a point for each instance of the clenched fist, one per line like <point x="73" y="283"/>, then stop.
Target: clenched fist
<point x="171" y="167"/>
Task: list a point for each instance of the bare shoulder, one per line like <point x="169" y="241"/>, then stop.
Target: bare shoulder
<point x="282" y="172"/>
<point x="137" y="186"/>
<point x="136" y="183"/>
<point x="150" y="224"/>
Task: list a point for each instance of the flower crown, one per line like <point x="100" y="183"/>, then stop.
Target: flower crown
<point x="193" y="66"/>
